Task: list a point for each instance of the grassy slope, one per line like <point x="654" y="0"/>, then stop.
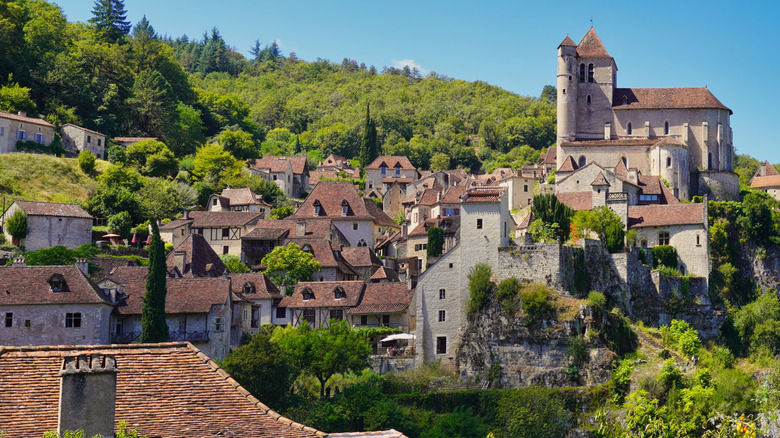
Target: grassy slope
<point x="37" y="177"/>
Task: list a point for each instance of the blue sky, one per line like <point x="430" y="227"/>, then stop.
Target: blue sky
<point x="725" y="46"/>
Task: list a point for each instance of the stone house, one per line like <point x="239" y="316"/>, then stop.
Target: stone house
<point x="320" y="301"/>
<point x="521" y="189"/>
<point x="197" y="310"/>
<point x="175" y="231"/>
<point x="684" y="226"/>
<point x="194" y="258"/>
<point x="254" y="299"/>
<point x="76" y="139"/>
<point x="19" y="127"/>
<point x="51" y="305"/>
<point x="289" y="173"/>
<point x="419" y="207"/>
<point x="682" y="135"/>
<point x="239" y="200"/>
<point x="384" y="304"/>
<point x="51" y="224"/>
<point x="392" y="200"/>
<point x="385" y="170"/>
<point x="223" y="229"/>
<point x="442" y="290"/>
<point x="767" y="179"/>
<point x="362" y="259"/>
<point x="203" y="401"/>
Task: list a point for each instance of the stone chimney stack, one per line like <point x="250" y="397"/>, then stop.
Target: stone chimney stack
<point x="179" y="260"/>
<point x="83" y="266"/>
<point x="22" y="113"/>
<point x="88" y="395"/>
<point x="19" y="261"/>
<point x="300" y="228"/>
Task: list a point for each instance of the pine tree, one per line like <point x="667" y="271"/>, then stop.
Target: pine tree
<point x="368" y="147"/>
<point x="110" y="18"/>
<point x="154" y="328"/>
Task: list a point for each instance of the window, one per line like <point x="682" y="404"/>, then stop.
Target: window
<point x="397" y="170"/>
<point x="100" y="142"/>
<point x="309" y="317"/>
<point x="582" y="161"/>
<point x="668" y="161"/>
<point x="281" y="312"/>
<point x="274" y="177"/>
<point x="337" y="314"/>
<point x="339" y="293"/>
<point x="26" y="322"/>
<point x="625" y="100"/>
<point x="479" y="224"/>
<point x="525" y="187"/>
<point x="590" y="73"/>
<point x="442" y="315"/>
<point x="582" y="72"/>
<point x="2" y="131"/>
<point x="442" y="294"/>
<point x="214" y="202"/>
<point x="225" y="233"/>
<point x="588" y="99"/>
<point x="344" y="210"/>
<point x="225" y="249"/>
<point x="625" y="161"/>
<point x="697" y="240"/>
<point x="9" y="319"/>
<point x="354" y="226"/>
<point x="383" y="169"/>
<point x="73" y="320"/>
<point x="307" y="294"/>
<point x="370" y="184"/>
<point x="663" y="238"/>
<point x="666" y="128"/>
<point x="89" y="139"/>
<point x="643" y="243"/>
<point x="451" y="265"/>
<point x="629" y="129"/>
<point x="40" y="138"/>
<point x="386" y="320"/>
<point x="21" y="135"/>
<point x="317" y="207"/>
<point x="441" y="345"/>
<point x="218" y="324"/>
<point x="648" y="198"/>
<point x="363" y="320"/>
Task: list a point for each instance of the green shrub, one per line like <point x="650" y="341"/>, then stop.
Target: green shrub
<point x="670" y="376"/>
<point x="615" y="237"/>
<point x="16" y="225"/>
<point x="621" y="379"/>
<point x="86" y="161"/>
<point x="665" y="255"/>
<point x="507" y="294"/>
<point x="598" y="302"/>
<point x="577" y="349"/>
<point x="723" y="357"/>
<point x="120" y="223"/>
<point x="681" y="337"/>
<point x="480" y="287"/>
<point x="536" y="301"/>
<point x="533" y="412"/>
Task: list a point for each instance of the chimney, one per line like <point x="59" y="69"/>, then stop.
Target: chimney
<point x="179" y="260"/>
<point x="19" y="261"/>
<point x="300" y="228"/>
<point x="83" y="266"/>
<point x="186" y="214"/>
<point x="22" y="113"/>
<point x="88" y="395"/>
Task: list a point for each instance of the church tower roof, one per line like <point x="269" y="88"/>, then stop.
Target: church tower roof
<point x="567" y="42"/>
<point x="591" y="46"/>
<point x="600" y="180"/>
<point x="568" y="165"/>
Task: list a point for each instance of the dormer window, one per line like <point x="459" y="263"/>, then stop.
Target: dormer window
<point x="344" y="207"/>
<point x="383" y="169"/>
<point x="339" y="293"/>
<point x="249" y="287"/>
<point x="317" y="208"/>
<point x="397" y="168"/>
<point x="625" y="100"/>
<point x="57" y="283"/>
<point x="307" y="294"/>
<point x="307" y="248"/>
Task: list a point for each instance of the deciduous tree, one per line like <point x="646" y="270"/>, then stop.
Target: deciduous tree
<point x="287" y="265"/>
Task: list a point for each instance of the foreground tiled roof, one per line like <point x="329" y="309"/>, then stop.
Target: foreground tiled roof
<point x="35" y="208"/>
<point x="330" y="196"/>
<point x="200" y="260"/>
<point x="167" y="390"/>
<point x="666" y="98"/>
<point x="25" y="119"/>
<point x="591" y="46"/>
<point x="185" y="295"/>
<point x="324" y="294"/>
<point x="577" y="200"/>
<point x="211" y="219"/>
<point x="392" y="433"/>
<point x="391" y="162"/>
<point x="665" y="215"/>
<point x="383" y="298"/>
<point x="21" y="285"/>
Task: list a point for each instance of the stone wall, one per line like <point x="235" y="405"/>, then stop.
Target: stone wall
<point x="719" y="185"/>
<point x="49" y="231"/>
<point x="47" y="324"/>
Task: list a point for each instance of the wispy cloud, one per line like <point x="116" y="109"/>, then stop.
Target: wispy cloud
<point x="401" y="63"/>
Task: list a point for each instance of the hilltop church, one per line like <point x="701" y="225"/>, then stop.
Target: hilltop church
<point x="682" y="135"/>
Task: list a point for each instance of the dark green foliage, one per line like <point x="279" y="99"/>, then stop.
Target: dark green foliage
<point x="86" y="161"/>
<point x="154" y="328"/>
<point x="16" y="225"/>
<point x="534" y="412"/>
<point x="369" y="149"/>
<point x="758" y="323"/>
<point x="598" y="302"/>
<point x="580" y="277"/>
<point x="460" y="423"/>
<point x="507" y="295"/>
<point x="536" y="302"/>
<point x="665" y="255"/>
<point x="617" y="334"/>
<point x="435" y="241"/>
<point x="480" y="287"/>
<point x="153" y="104"/>
<point x="577" y="349"/>
<point x="756" y="220"/>
<point x="549" y="210"/>
<point x="120" y="223"/>
<point x="615" y="237"/>
<point x="110" y="19"/>
<point x="262" y="367"/>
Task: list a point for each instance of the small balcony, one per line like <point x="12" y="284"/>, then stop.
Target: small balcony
<point x="176" y="336"/>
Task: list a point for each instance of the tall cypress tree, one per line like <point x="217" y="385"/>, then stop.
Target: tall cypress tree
<point x="368" y="147"/>
<point x="110" y="18"/>
<point x="154" y="328"/>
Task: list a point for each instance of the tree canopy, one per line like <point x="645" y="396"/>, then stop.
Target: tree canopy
<point x="287" y="265"/>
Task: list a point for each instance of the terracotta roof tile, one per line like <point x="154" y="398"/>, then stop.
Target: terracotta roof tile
<point x="272" y="164"/>
<point x="769" y="170"/>
<point x="760" y="182"/>
<point x="568" y="165"/>
<point x="198" y="255"/>
<point x="360" y="256"/>
<point x="591" y="47"/>
<point x="665" y="215"/>
<point x="385" y="274"/>
<point x="380" y="217"/>
<point x="391" y="162"/>
<point x="383" y="298"/>
<point x="577" y="200"/>
<point x="217" y="219"/>
<point x="567" y="42"/>
<point x="550" y="156"/>
<point x="105" y="265"/>
<point x="483" y="194"/>
<point x="35" y="208"/>
<point x="330" y="197"/>
<point x="320" y="249"/>
<point x="243" y="196"/>
<point x="665" y="98"/>
<point x="176" y="223"/>
<point x="204" y="401"/>
<point x="620" y="169"/>
<point x="324" y="294"/>
<point x="185" y="295"/>
<point x="30" y="285"/>
<point x="399" y="180"/>
<point x="17" y="117"/>
<point x="263" y="287"/>
<point x="600" y="180"/>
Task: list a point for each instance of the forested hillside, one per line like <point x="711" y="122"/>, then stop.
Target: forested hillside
<point x="126" y="80"/>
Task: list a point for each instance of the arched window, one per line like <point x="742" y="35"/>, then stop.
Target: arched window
<point x="625" y="162"/>
<point x="625" y="100"/>
<point x="307" y="294"/>
<point x="317" y="208"/>
<point x="582" y="161"/>
<point x="344" y="207"/>
<point x="629" y="129"/>
<point x="709" y="160"/>
<point x="590" y="73"/>
<point x="588" y="99"/>
<point x="666" y="127"/>
<point x="362" y="242"/>
<point x="582" y="72"/>
<point x="339" y="293"/>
